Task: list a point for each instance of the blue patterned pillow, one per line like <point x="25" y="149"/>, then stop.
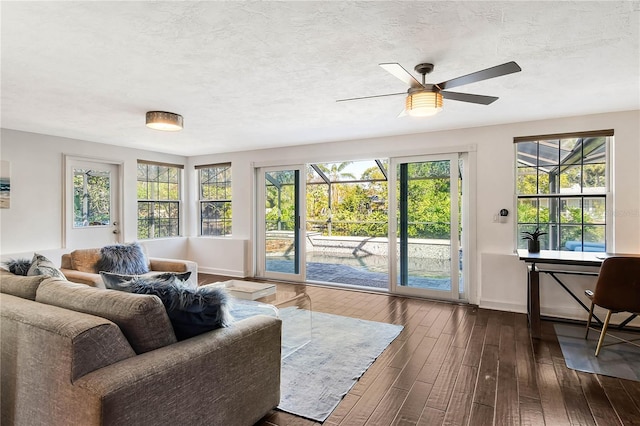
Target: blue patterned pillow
<point x="123" y="259"/>
<point x="40" y="265"/>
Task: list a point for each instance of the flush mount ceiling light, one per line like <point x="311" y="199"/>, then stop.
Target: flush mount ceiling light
<point x="166" y="121"/>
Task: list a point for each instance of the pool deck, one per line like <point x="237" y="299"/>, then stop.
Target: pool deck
<point x="358" y="276"/>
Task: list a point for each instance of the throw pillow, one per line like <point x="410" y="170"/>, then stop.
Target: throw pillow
<point x="191" y="312"/>
<point x="123" y="259"/>
<point x="18" y="266"/>
<point x="123" y="282"/>
<point x="40" y="265"/>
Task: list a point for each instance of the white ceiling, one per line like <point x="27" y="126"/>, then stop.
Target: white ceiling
<point x="248" y="75"/>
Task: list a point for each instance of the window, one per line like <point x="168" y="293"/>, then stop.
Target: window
<point x="158" y="200"/>
<point x="561" y="187"/>
<point x="215" y="199"/>
<point x="91" y="197"/>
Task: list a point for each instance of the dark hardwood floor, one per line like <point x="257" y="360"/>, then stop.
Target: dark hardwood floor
<point x="460" y="365"/>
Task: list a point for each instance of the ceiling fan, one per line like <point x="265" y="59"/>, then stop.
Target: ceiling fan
<point x="426" y="99"/>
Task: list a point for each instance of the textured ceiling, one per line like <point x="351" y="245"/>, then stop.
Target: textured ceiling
<point x="249" y="75"/>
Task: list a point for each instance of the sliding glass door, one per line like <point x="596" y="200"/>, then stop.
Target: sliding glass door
<point x="427" y="194"/>
<point x="280" y="230"/>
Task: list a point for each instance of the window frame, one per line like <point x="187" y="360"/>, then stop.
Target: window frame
<point x="225" y="185"/>
<point x="173" y="206"/>
<point x="559" y="200"/>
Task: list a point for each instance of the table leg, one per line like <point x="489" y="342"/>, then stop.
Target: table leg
<point x="533" y="301"/>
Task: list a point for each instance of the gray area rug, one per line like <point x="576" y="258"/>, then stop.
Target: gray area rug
<point x="317" y="373"/>
<point x="618" y="360"/>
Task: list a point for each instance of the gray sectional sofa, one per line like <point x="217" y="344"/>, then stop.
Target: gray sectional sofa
<point x="79" y="355"/>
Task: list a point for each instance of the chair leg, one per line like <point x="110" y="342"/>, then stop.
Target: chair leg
<point x="603" y="332"/>
<point x="586" y="335"/>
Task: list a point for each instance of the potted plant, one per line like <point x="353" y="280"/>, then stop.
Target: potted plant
<point x="533" y="240"/>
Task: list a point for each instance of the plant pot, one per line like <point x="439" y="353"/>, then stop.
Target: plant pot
<point x="534" y="246"/>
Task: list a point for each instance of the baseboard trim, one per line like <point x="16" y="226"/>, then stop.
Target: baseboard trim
<point x="502" y="306"/>
<point x="225" y="272"/>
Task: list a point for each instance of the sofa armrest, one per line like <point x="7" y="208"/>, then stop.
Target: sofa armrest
<point x="157" y="264"/>
<point x="229" y="376"/>
<point x="73" y="275"/>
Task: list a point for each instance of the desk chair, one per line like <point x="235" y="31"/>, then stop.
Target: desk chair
<point x="617" y="290"/>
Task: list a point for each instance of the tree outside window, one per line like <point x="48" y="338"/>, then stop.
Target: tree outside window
<point x="158" y="200"/>
<point x="215" y="199"/>
<point x="561" y="186"/>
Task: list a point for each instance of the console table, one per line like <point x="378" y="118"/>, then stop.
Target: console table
<point x="566" y="258"/>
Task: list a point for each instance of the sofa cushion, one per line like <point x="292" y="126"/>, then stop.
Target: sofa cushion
<point x="18" y="266"/>
<point x="191" y="311"/>
<point x="17" y="285"/>
<point x="142" y="318"/>
<point x="85" y="260"/>
<point x="123" y="259"/>
<point x="40" y="265"/>
<point x="50" y="342"/>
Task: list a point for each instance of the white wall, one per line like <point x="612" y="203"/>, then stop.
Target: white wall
<point x="35" y="219"/>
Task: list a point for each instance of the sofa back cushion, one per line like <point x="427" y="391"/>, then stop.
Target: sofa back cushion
<point x="85" y="260"/>
<point x="142" y="318"/>
<point x="90" y="342"/>
<point x="45" y="349"/>
<point x="20" y="286"/>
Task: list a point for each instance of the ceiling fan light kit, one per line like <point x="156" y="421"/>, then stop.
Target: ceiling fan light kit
<point x="423" y="104"/>
<point x="164" y="121"/>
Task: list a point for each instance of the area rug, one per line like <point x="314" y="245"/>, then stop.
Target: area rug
<point x="619" y="360"/>
<point x="317" y="374"/>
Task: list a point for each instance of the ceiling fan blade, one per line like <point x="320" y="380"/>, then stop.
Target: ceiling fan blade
<point x="468" y="97"/>
<point x="396" y="70"/>
<point x="497" y="71"/>
<point x="369" y="97"/>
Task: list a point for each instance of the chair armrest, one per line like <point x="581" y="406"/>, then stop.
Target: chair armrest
<point x="73" y="275"/>
<point x="157" y="264"/>
<point x="228" y="376"/>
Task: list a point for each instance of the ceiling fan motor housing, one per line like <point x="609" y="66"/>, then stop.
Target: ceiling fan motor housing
<point x="424" y="68"/>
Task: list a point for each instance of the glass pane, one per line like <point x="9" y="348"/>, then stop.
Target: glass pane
<point x="216" y="218"/>
<point x="91" y="198"/>
<point x="546" y="182"/>
<point x="548" y="210"/>
<point x="594" y="238"/>
<point x="425" y="225"/>
<point x="594" y="210"/>
<point x="570" y="148"/>
<point x="281" y="239"/>
<point x="549" y="153"/>
<point x="527" y="181"/>
<point x="571" y="210"/>
<point x="571" y="179"/>
<point x="527" y="154"/>
<point x="528" y="210"/>
<point x="571" y="237"/>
